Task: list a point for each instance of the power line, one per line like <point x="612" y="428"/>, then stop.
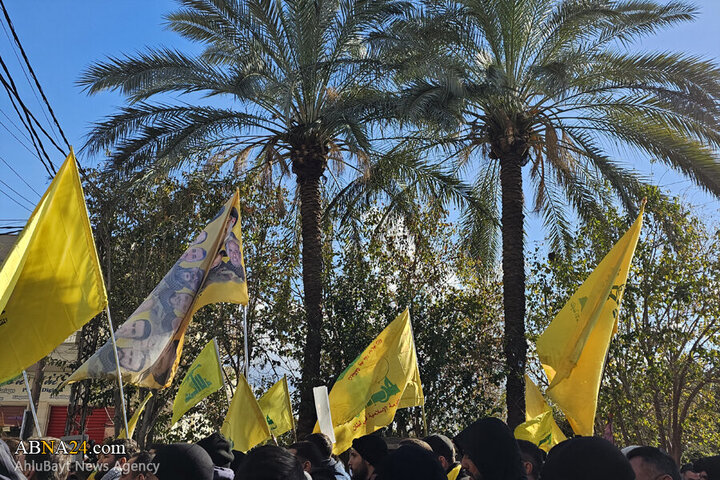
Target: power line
<point x="20" y="176"/>
<point x="32" y="72"/>
<point x="17" y="193"/>
<point x="11" y="198"/>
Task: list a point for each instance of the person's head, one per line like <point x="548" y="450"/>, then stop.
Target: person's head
<point x="443" y="448"/>
<point x="322" y="442"/>
<point x="366" y="456"/>
<point x="589" y="458"/>
<point x="415" y="442"/>
<point x="189" y="278"/>
<point x="202" y="236"/>
<point x="183" y="461"/>
<point x="135" y="329"/>
<point x="650" y="463"/>
<point x="131" y="359"/>
<point x="219" y="449"/>
<point x="687" y="472"/>
<point x="490" y="450"/>
<point x="119" y="450"/>
<point x="46" y="465"/>
<point x="708" y="468"/>
<point x="270" y="462"/>
<point x="307" y="453"/>
<point x="532" y="458"/>
<point x="139" y="467"/>
<point x="233" y="250"/>
<point x="193" y="254"/>
<point x="412" y="461"/>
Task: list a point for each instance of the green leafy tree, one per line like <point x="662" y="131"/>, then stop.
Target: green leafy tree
<point x="540" y="89"/>
<point x="663" y="366"/>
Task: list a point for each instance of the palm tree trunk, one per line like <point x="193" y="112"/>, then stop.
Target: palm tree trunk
<point x="309" y="173"/>
<point x="513" y="263"/>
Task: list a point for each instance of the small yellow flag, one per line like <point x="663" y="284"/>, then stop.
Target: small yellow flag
<point x="203" y="378"/>
<point x="275" y="405"/>
<point x="50" y="283"/>
<point x="537" y="430"/>
<point x="245" y="425"/>
<point x="573" y="348"/>
<point x="535" y="405"/>
<point x="368" y="393"/>
<point x="132" y="423"/>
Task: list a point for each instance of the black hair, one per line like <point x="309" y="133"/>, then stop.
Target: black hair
<point x="143" y="462"/>
<point x="307" y="452"/>
<point x="270" y="462"/>
<point x="661" y="461"/>
<point x="128" y="447"/>
<point x="529" y="452"/>
<point x="322" y="442"/>
<point x="147" y="329"/>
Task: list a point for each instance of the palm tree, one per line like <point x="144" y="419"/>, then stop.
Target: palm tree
<point x="551" y="85"/>
<point x="284" y="82"/>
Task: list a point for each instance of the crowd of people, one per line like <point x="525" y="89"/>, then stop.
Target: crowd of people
<point x="485" y="450"/>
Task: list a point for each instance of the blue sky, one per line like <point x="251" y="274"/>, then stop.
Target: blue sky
<point x="63" y="37"/>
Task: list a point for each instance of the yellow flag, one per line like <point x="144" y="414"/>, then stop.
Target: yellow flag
<point x="150" y="342"/>
<point x="132" y="423"/>
<point x="537" y="430"/>
<point x="535" y="405"/>
<point x="203" y="378"/>
<point x="574" y="346"/>
<point x="368" y="393"/>
<point x="413" y="395"/>
<point x="50" y="283"/>
<point x="275" y="405"/>
<point x="245" y="425"/>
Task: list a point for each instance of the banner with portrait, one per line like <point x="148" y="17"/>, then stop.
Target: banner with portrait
<point x="150" y="342"/>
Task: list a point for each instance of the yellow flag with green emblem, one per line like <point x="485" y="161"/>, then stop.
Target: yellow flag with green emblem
<point x="132" y="423"/>
<point x="275" y="405"/>
<point x="367" y="394"/>
<point x="535" y="405"/>
<point x="245" y="425"/>
<point x="203" y="378"/>
<point x="537" y="430"/>
<point x="50" y="283"/>
<point x="573" y="348"/>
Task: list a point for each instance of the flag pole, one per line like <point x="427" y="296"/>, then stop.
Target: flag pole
<point x="117" y="368"/>
<point x="424" y="420"/>
<point x="32" y="405"/>
<point x="245" y="334"/>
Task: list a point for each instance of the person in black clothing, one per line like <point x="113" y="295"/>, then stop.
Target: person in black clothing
<point x="311" y="460"/>
<point x="587" y="458"/>
<point x="444" y="449"/>
<point x="412" y="462"/>
<point x="324" y="444"/>
<point x="490" y="451"/>
<point x="532" y="458"/>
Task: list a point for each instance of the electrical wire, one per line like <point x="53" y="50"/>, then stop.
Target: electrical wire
<point x="11" y="198"/>
<point x="17" y="193"/>
<point x="19" y="176"/>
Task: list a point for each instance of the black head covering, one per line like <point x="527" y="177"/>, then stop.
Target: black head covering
<point x="219" y="449"/>
<point x="183" y="461"/>
<point x="442" y="446"/>
<point x="371" y="448"/>
<point x="492" y="448"/>
<point x="711" y="465"/>
<point x="411" y="462"/>
<point x="589" y="458"/>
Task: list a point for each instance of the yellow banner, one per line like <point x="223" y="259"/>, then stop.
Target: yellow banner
<point x="245" y="425"/>
<point x="275" y="405"/>
<point x="203" y="378"/>
<point x="50" y="283"/>
<point x="132" y="423"/>
<point x="543" y="429"/>
<point x="368" y="393"/>
<point x="150" y="342"/>
<point x="573" y="347"/>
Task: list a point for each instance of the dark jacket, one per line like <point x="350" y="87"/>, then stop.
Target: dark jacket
<point x="492" y="448"/>
<point x="337" y="467"/>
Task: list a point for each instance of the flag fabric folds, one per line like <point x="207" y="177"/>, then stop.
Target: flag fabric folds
<point x="539" y="429"/>
<point x="203" y="378"/>
<point x="573" y="348"/>
<point x="369" y="391"/>
<point x="245" y="425"/>
<point x="50" y="283"/>
<point x="132" y="423"/>
<point x="150" y="342"/>
<point x="275" y="405"/>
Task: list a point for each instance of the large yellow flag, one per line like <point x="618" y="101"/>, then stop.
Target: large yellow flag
<point x="203" y="378"/>
<point x="275" y="405"/>
<point x="368" y="393"/>
<point x="538" y="428"/>
<point x="574" y="346"/>
<point x="50" y="283"/>
<point x="150" y="342"/>
<point x="132" y="423"/>
<point x="245" y="425"/>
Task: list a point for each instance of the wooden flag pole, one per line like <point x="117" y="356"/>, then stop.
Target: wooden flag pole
<point x="117" y="369"/>
<point x="32" y="405"/>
